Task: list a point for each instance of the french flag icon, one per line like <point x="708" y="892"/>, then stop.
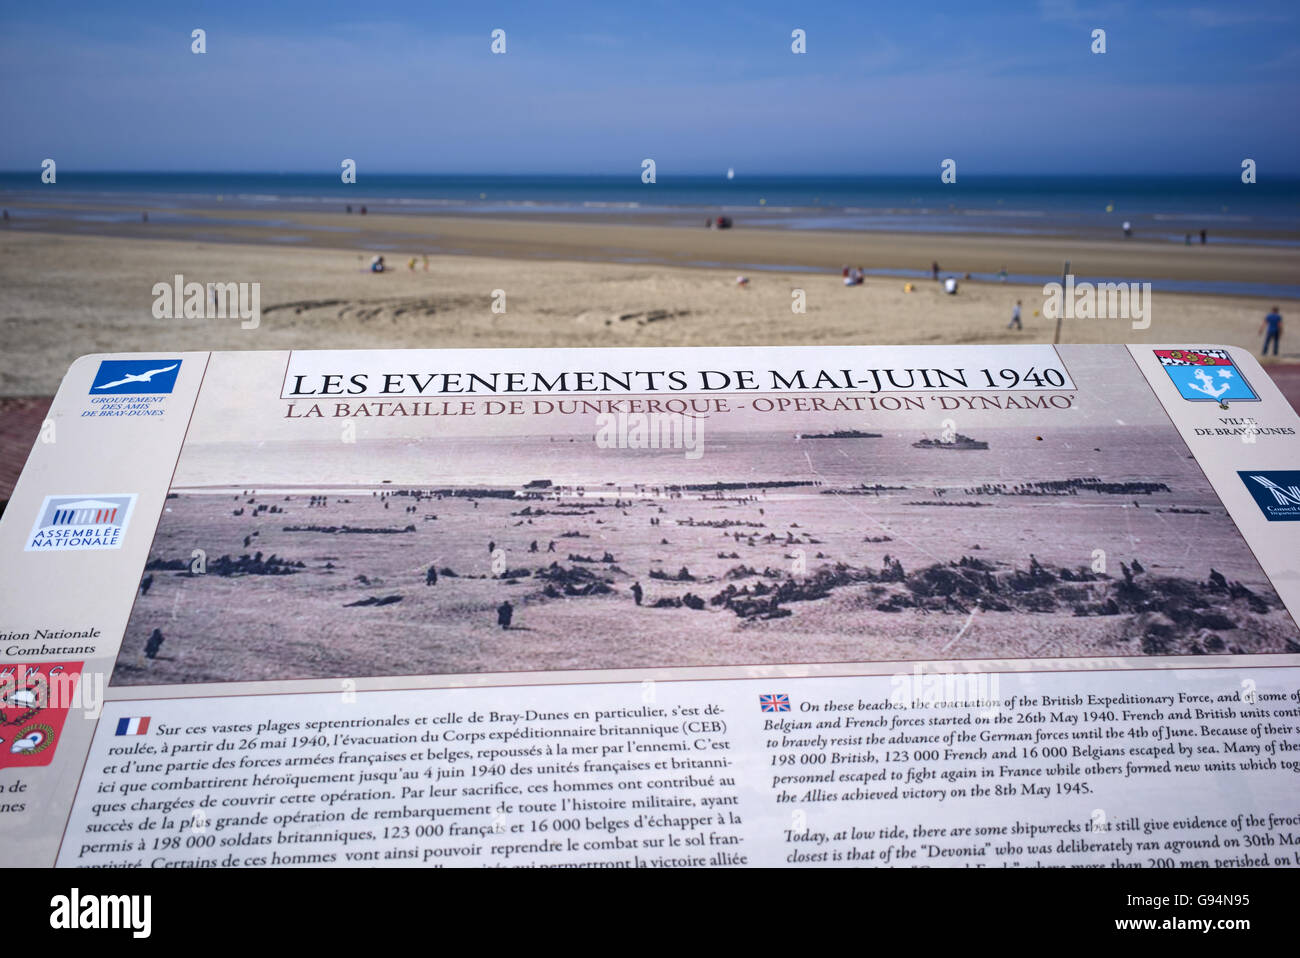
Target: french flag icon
<point x="132" y="726"/>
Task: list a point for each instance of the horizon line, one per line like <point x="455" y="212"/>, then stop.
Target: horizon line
<point x="635" y="174"/>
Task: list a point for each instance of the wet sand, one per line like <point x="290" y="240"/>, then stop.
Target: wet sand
<point x="648" y="238"/>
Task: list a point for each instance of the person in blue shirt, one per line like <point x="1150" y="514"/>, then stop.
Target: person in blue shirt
<point x="1273" y="323"/>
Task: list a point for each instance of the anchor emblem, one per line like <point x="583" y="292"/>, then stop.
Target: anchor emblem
<point x="1207" y="385"/>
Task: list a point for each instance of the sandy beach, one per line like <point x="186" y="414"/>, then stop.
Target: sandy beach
<point x="66" y="294"/>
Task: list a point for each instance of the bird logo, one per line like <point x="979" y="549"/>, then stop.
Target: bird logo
<point x="143" y="377"/>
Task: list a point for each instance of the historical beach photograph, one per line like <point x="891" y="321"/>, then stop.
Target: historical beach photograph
<point x="552" y="541"/>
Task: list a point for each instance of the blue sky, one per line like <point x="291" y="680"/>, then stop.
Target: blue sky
<point x="595" y="87"/>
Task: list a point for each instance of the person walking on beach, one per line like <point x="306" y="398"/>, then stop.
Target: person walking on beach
<point x="431" y="577"/>
<point x="1015" y="317"/>
<point x="934" y="269"/>
<point x="505" y="612"/>
<point x="637" y="592"/>
<point x="1202" y="237"/>
<point x="1273" y="323"/>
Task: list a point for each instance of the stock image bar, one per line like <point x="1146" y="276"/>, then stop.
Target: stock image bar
<point x="684" y="438"/>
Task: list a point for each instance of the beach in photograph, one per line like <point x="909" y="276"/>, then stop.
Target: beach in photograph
<point x="426" y="549"/>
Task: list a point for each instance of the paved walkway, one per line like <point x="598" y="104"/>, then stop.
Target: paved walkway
<point x="20" y="425"/>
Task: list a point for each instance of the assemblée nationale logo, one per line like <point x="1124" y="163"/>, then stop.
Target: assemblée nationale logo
<point x="78" y="523"/>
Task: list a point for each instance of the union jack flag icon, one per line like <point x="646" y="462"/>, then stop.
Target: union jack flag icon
<point x="774" y="703"/>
